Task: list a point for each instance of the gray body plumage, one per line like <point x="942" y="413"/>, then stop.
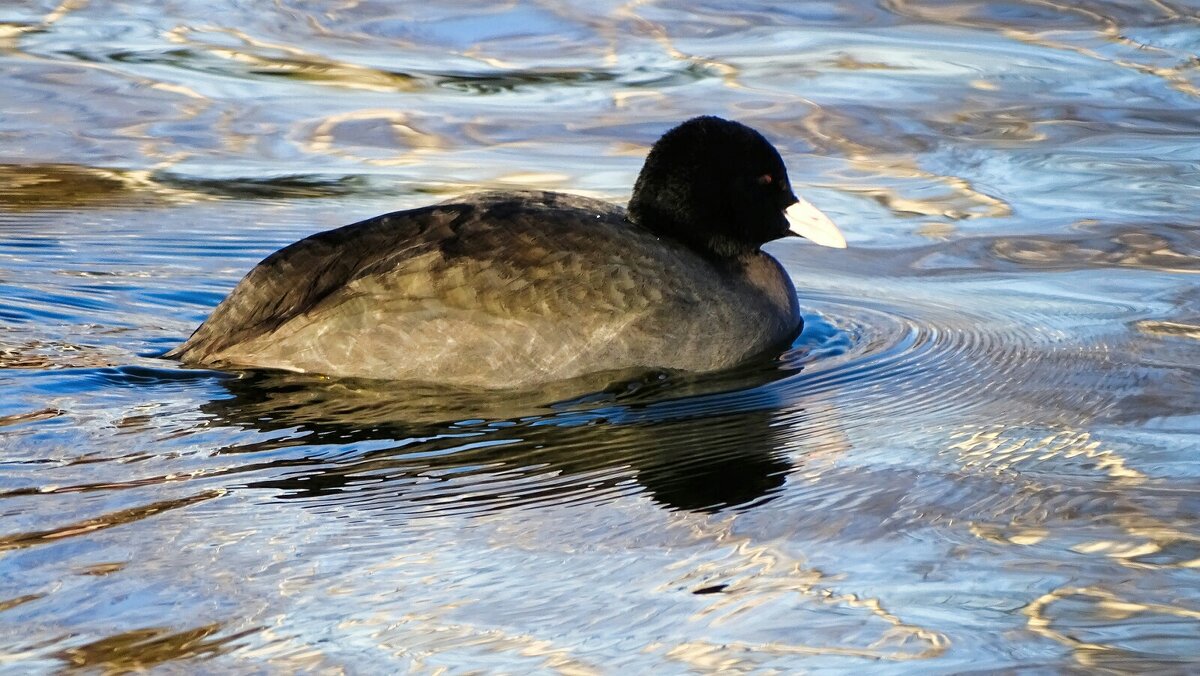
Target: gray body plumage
<point x="497" y="290"/>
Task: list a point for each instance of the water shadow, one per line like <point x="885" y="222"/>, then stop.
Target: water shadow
<point x="684" y="442"/>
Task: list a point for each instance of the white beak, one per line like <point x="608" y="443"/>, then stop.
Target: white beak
<point x="807" y="221"/>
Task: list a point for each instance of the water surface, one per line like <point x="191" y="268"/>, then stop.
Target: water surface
<point x="979" y="455"/>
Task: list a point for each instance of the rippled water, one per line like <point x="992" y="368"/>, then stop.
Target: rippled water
<point x="981" y="454"/>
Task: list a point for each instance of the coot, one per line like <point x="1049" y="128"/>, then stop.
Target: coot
<point x="515" y="289"/>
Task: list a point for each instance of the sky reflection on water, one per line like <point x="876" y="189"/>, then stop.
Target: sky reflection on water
<point x="978" y="456"/>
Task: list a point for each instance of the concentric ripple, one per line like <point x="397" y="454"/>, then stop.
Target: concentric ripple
<point x="688" y="442"/>
<point x="862" y="358"/>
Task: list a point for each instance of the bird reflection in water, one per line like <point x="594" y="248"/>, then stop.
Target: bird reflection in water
<point x="419" y="449"/>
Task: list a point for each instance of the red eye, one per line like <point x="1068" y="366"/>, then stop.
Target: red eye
<point x="765" y="179"/>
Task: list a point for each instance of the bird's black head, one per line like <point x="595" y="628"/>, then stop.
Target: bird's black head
<point x="719" y="187"/>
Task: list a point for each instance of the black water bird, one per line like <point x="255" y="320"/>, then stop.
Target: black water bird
<point x="516" y="289"/>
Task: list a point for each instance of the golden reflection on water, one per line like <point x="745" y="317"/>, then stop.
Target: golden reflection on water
<point x="31" y="416"/>
<point x="56" y="186"/>
<point x="6" y="604"/>
<point x="998" y="450"/>
<point x="414" y="144"/>
<point x="1092" y="612"/>
<point x="1143" y="544"/>
<point x="974" y="476"/>
<point x="294" y="62"/>
<point x="439" y="634"/>
<point x="829" y="130"/>
<point x="1095" y="24"/>
<point x="1173" y="329"/>
<point x="141" y="649"/>
<point x="110" y="520"/>
<point x="844" y="135"/>
<point x="766" y="575"/>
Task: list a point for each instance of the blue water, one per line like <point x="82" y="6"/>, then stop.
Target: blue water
<point x="979" y="455"/>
